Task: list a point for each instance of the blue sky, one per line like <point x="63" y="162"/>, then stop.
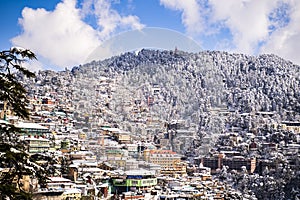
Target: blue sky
<point x="63" y="33"/>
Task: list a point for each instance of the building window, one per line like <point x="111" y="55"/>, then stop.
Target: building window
<point x="134" y="182"/>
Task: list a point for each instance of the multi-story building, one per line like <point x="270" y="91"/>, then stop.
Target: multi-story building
<point x="235" y="162"/>
<point x="37" y="144"/>
<point x="33" y="129"/>
<point x="66" y="185"/>
<point x="134" y="180"/>
<point x="161" y="157"/>
<point x="291" y="126"/>
<point x="123" y="137"/>
<point x="169" y="161"/>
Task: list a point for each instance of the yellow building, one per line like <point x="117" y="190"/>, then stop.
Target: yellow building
<point x="289" y="126"/>
<point x="73" y="193"/>
<point x="123" y="138"/>
<point x="169" y="161"/>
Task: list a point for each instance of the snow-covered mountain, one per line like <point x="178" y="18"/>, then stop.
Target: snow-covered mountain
<point x="175" y="85"/>
<point x="193" y="83"/>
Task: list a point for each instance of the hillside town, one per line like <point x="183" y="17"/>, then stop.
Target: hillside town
<point x="124" y="129"/>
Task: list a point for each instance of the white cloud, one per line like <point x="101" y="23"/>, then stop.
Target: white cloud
<point x="108" y="19"/>
<point x="248" y="21"/>
<point x="269" y="26"/>
<point x="255" y="26"/>
<point x="60" y="36"/>
<point x="191" y="14"/>
<point x="285" y="40"/>
<point x="63" y="37"/>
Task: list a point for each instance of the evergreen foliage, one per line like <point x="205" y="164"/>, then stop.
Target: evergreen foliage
<point x="15" y="162"/>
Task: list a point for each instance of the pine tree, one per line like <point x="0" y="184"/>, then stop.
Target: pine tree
<point x="15" y="162"/>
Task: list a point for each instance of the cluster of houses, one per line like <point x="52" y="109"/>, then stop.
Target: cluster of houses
<point x="107" y="142"/>
<point x="109" y="164"/>
<point x="102" y="161"/>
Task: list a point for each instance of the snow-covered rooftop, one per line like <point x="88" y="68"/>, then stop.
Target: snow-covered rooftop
<point x="28" y="125"/>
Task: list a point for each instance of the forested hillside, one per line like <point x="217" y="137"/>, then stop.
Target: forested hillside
<point x="175" y="85"/>
<point x="192" y="84"/>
